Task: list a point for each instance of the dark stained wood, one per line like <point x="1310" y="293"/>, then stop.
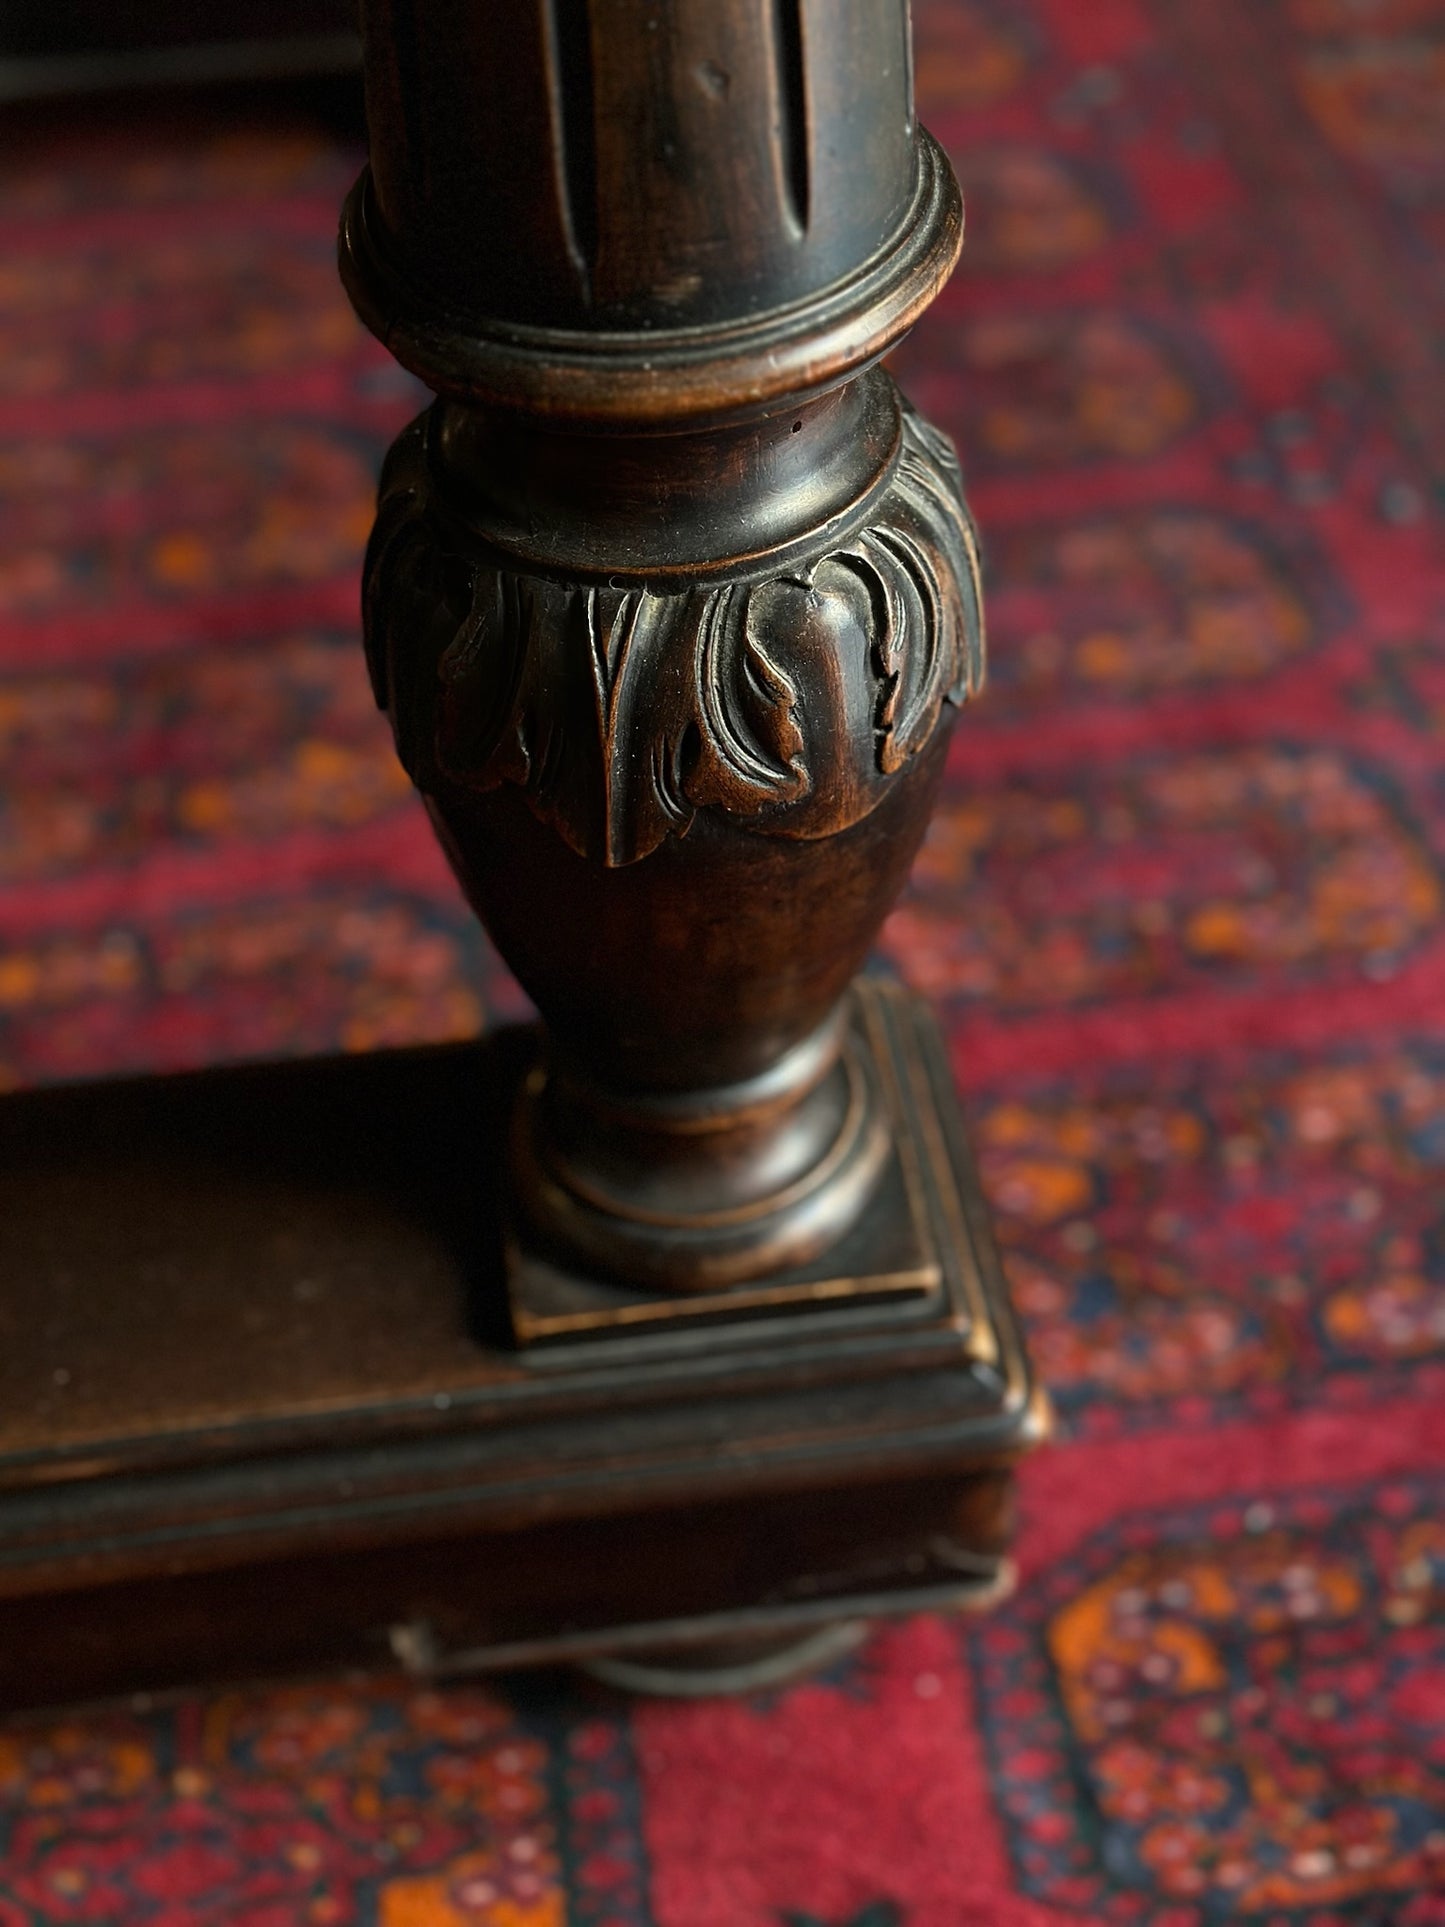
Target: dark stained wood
<point x="632" y="164"/>
<point x="679" y="1320"/>
<point x="254" y="1312"/>
<point x="260" y="1409"/>
<point x="677" y="701"/>
<point x="765" y="1568"/>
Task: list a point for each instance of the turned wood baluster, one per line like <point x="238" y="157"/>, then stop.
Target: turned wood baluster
<point x="670" y="595"/>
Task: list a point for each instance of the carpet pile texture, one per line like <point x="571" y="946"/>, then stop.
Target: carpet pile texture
<point x="1182" y="912"/>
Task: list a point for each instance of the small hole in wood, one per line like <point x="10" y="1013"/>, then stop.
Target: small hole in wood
<point x="797" y="428"/>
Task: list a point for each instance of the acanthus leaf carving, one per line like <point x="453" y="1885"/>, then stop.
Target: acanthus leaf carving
<point x="784" y="703"/>
<point x="750" y="740"/>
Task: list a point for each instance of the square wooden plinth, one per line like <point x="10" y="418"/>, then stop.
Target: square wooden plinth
<point x="263" y="1406"/>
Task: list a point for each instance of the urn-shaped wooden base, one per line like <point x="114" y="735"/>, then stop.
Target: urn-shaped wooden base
<point x="902" y="1257"/>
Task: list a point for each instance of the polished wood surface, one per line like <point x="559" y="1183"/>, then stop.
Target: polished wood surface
<point x="294" y="1269"/>
<point x="609" y="165"/>
<point x="678" y="1320"/>
<point x="677" y="701"/>
<point x="260" y="1407"/>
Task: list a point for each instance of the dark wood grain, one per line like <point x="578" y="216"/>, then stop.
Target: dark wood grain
<point x="259" y="1407"/>
<point x="679" y="1320"/>
<point x="625" y="164"/>
<point x="676" y="701"/>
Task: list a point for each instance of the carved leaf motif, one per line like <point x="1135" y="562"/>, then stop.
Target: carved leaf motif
<point x="621" y="713"/>
<point x="751" y="744"/>
<point x="923" y="557"/>
<point x="409" y="617"/>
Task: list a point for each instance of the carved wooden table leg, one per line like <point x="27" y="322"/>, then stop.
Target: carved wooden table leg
<point x="672" y="599"/>
<point x="672" y="602"/>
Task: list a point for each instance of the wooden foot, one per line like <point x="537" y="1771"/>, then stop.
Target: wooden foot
<point x="260" y="1408"/>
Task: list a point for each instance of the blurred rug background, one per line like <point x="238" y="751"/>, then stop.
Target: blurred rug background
<point x="1181" y="912"/>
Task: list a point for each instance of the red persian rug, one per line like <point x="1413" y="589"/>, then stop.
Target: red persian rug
<point x="1183" y="912"/>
